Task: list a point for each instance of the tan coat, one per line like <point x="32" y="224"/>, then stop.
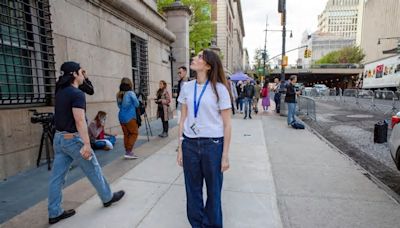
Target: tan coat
<point x="165" y="101"/>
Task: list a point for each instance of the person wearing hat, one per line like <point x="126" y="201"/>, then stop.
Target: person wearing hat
<point x="71" y="142"/>
<point x="86" y="86"/>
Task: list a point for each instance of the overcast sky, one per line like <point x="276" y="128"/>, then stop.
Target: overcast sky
<point x="301" y="15"/>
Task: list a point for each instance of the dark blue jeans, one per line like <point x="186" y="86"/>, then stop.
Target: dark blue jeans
<point x="202" y="161"/>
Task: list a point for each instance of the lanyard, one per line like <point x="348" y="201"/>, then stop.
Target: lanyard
<point x="197" y="103"/>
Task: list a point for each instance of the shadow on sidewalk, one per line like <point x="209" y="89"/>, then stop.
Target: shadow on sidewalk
<point x="29" y="187"/>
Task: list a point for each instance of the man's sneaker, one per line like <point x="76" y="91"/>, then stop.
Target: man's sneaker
<point x="130" y="155"/>
<point x="163" y="135"/>
<point x="116" y="197"/>
<point x="245" y="117"/>
<point x="64" y="215"/>
<point x="250" y="117"/>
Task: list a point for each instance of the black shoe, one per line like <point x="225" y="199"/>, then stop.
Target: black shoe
<point x="116" y="197"/>
<point x="245" y="117"/>
<point x="250" y="117"/>
<point x="64" y="215"/>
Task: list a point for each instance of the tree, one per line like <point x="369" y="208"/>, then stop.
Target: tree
<point x="351" y="54"/>
<point x="258" y="61"/>
<point x="200" y="25"/>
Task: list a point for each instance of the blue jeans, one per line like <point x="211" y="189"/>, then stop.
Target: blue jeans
<point x="239" y="104"/>
<point x="65" y="151"/>
<point x="277" y="99"/>
<point x="291" y="113"/>
<point x="248" y="103"/>
<point x="202" y="161"/>
<point x="98" y="145"/>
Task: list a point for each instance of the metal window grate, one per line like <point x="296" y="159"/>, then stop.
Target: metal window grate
<point x="27" y="74"/>
<point x="140" y="72"/>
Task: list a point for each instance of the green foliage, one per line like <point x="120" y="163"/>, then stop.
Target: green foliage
<point x="200" y="25"/>
<point x="351" y="54"/>
<point x="258" y="61"/>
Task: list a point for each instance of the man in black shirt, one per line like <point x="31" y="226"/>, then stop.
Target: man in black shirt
<point x="249" y="92"/>
<point x="290" y="99"/>
<point x="71" y="142"/>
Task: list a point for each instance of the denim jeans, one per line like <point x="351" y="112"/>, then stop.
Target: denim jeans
<point x="291" y="113"/>
<point x="248" y="104"/>
<point x="65" y="151"/>
<point x="277" y="99"/>
<point x="202" y="161"/>
<point x="100" y="144"/>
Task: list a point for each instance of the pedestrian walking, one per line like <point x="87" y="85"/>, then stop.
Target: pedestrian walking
<point x="205" y="135"/>
<point x="248" y="99"/>
<point x="240" y="99"/>
<point x="277" y="95"/>
<point x="98" y="138"/>
<point x="127" y="103"/>
<point x="163" y="110"/>
<point x="233" y="91"/>
<point x="290" y="99"/>
<point x="71" y="142"/>
<point x="257" y="94"/>
<point x="265" y="96"/>
<point x="182" y="73"/>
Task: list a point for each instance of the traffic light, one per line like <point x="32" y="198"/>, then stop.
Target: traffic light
<point x="307" y="53"/>
<point x="285" y="60"/>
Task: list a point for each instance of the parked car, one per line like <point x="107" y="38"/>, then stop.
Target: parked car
<point x="394" y="145"/>
<point x="321" y="89"/>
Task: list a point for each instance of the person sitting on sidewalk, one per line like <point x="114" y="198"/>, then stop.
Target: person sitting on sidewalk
<point x="71" y="142"/>
<point x="98" y="138"/>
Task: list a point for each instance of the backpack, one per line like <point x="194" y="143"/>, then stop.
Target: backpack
<point x="297" y="125"/>
<point x="264" y="92"/>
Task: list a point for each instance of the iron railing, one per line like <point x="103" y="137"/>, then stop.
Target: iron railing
<point x="140" y="68"/>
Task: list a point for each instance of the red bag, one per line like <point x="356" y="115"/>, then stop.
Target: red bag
<point x="264" y="92"/>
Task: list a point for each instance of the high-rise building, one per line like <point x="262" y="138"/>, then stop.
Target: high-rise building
<point x="320" y="44"/>
<point x="229" y="32"/>
<point x="380" y="21"/>
<point x="341" y="17"/>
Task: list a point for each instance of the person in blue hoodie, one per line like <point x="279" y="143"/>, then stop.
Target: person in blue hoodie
<point x="127" y="104"/>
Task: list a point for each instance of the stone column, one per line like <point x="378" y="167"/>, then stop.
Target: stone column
<point x="178" y="17"/>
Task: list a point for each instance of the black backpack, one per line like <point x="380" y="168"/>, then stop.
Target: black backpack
<point x="297" y="125"/>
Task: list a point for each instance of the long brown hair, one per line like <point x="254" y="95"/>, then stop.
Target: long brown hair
<point x="160" y="91"/>
<point x="100" y="115"/>
<point x="126" y="85"/>
<point x="216" y="72"/>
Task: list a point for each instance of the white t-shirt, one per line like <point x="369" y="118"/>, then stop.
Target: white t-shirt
<point x="209" y="120"/>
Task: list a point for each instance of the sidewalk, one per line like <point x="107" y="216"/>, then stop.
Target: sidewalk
<point x="156" y="193"/>
<point x="317" y="186"/>
<point x="279" y="177"/>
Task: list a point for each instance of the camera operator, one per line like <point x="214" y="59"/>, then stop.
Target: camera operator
<point x="71" y="142"/>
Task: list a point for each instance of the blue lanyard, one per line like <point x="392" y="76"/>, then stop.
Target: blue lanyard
<point x="197" y="103"/>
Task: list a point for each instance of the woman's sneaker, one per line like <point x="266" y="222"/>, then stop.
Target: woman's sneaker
<point x="130" y="155"/>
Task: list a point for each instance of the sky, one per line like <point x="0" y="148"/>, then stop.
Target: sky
<point x="302" y="15"/>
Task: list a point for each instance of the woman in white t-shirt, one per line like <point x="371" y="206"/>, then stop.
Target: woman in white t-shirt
<point x="204" y="138"/>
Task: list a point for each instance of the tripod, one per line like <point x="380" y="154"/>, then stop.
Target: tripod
<point x="47" y="137"/>
<point x="143" y="103"/>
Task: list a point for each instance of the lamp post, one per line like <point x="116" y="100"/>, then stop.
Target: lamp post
<point x="283" y="19"/>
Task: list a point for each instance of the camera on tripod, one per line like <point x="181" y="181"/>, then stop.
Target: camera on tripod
<point x="41" y="117"/>
<point x="46" y="119"/>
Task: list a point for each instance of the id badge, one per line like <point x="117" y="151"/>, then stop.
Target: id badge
<point x="195" y="129"/>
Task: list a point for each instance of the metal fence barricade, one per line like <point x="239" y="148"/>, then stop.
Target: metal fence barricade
<point x="388" y="95"/>
<point x="306" y="106"/>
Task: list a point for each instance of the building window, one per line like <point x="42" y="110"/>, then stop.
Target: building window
<point x="140" y="72"/>
<point x="27" y="73"/>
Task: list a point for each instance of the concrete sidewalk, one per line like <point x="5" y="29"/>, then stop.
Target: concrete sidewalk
<point x="279" y="177"/>
<point x="318" y="186"/>
<point x="156" y="193"/>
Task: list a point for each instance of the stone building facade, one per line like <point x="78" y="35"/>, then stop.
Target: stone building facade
<point x="229" y="31"/>
<point x="110" y="38"/>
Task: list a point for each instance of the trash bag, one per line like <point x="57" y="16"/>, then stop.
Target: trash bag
<point x="380" y="132"/>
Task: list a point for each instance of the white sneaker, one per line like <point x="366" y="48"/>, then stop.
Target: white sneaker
<point x="130" y="155"/>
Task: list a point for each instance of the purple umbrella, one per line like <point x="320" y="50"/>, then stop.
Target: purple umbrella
<point x="240" y="76"/>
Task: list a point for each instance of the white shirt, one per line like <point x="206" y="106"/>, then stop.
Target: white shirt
<point x="209" y="120"/>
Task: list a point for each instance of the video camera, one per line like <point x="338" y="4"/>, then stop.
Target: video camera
<point x="41" y="117"/>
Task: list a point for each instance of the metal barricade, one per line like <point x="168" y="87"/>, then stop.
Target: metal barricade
<point x="350" y="95"/>
<point x="387" y="95"/>
<point x="364" y="94"/>
<point x="306" y="106"/>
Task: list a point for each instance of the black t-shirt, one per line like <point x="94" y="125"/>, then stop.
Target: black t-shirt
<point x="290" y="94"/>
<point x="66" y="99"/>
